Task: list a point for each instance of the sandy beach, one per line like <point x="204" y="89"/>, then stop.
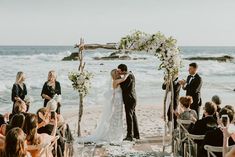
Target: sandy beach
<point x="149" y="118"/>
<point x="150" y="125"/>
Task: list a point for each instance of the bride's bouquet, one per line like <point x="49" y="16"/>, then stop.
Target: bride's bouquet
<point x="81" y="81"/>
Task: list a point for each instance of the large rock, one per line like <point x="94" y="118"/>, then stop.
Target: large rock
<point x="125" y="57"/>
<point x="225" y="58"/>
<point x="73" y="56"/>
<point x="113" y="56"/>
<point x="109" y="46"/>
<point x="118" y="55"/>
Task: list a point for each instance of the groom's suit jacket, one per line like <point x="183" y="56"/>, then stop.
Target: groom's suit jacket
<point x="128" y="90"/>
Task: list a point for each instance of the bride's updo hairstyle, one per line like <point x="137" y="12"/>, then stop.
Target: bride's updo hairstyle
<point x="113" y="74"/>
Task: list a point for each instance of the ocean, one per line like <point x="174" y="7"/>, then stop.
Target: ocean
<point x="36" y="61"/>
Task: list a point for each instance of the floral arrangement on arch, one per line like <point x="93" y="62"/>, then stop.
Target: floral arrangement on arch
<point x="162" y="47"/>
<point x="81" y="81"/>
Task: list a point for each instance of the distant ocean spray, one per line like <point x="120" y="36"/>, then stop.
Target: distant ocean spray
<point x="36" y="61"/>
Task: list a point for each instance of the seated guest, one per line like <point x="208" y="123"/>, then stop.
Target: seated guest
<point x="216" y="99"/>
<point x="32" y="136"/>
<point x="2" y="125"/>
<point x="16" y="121"/>
<point x="215" y="137"/>
<point x="15" y="145"/>
<point x="19" y="107"/>
<point x="187" y="113"/>
<point x="230" y="107"/>
<point x="2" y="131"/>
<point x="44" y="125"/>
<point x="207" y="123"/>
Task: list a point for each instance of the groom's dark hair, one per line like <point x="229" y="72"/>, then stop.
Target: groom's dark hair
<point x="123" y="67"/>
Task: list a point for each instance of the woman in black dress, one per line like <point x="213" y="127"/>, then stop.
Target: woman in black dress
<point x="50" y="88"/>
<point x="19" y="90"/>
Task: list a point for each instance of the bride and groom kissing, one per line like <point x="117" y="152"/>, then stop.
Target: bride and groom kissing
<point x="110" y="126"/>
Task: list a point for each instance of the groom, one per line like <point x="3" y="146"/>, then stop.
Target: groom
<point x="129" y="99"/>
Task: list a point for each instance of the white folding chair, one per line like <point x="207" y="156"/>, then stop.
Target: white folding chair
<point x="211" y="150"/>
<point x="191" y="141"/>
<point x="182" y="131"/>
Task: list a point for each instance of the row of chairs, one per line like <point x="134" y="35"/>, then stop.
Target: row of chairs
<point x="186" y="141"/>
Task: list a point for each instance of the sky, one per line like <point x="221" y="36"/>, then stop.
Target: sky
<point x="63" y="22"/>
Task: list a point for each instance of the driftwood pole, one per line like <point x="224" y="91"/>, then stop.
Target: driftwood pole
<point x="172" y="114"/>
<point x="169" y="88"/>
<point x="80" y="69"/>
<point x="165" y="112"/>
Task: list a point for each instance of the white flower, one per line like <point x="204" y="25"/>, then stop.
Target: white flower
<point x="80" y="81"/>
<point x="138" y="40"/>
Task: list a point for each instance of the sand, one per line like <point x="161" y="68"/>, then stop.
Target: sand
<point x="150" y="126"/>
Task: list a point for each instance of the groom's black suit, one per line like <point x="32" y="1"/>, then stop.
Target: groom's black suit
<point x="129" y="98"/>
<point x="193" y="89"/>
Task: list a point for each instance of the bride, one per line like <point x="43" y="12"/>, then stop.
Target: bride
<point x="110" y="126"/>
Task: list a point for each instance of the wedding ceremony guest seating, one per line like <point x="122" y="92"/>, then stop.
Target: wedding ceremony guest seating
<point x="192" y="144"/>
<point x="181" y="137"/>
<point x="211" y="150"/>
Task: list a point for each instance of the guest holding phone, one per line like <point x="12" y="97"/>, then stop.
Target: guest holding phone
<point x="19" y="90"/>
<point x="50" y="88"/>
<point x="226" y="116"/>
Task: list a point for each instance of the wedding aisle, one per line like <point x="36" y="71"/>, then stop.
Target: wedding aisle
<point x="150" y="126"/>
<point x="146" y="147"/>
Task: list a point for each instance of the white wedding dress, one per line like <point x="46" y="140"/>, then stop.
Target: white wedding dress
<point x="110" y="126"/>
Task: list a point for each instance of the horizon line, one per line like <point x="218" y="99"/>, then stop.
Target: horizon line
<point x="106" y="43"/>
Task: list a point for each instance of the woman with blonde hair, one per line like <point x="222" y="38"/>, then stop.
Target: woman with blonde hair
<point x="19" y="90"/>
<point x="110" y="125"/>
<point x="50" y="88"/>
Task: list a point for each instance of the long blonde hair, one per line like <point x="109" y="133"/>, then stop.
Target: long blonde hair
<point x="52" y="73"/>
<point x="19" y="77"/>
<point x="113" y="74"/>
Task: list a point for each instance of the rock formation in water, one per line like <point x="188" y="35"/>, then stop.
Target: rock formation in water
<point x="225" y="58"/>
<point x="109" y="46"/>
<point x="117" y="55"/>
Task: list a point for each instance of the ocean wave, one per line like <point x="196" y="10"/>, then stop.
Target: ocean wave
<point x="39" y="56"/>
